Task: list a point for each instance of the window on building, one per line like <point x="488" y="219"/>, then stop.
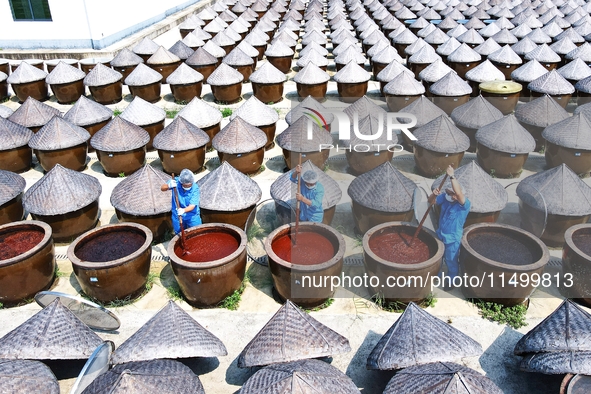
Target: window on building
<point x="30" y="10"/>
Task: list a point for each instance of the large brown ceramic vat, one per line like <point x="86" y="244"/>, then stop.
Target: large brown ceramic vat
<point x="37" y="89"/>
<point x="362" y="162"/>
<point x="227" y="93"/>
<point x="115" y="163"/>
<point x="150" y="93"/>
<point x="165" y="69"/>
<point x="160" y="225"/>
<point x="208" y="283"/>
<point x="449" y="103"/>
<point x="496" y="287"/>
<point x="22" y="276"/>
<point x="432" y="164"/>
<point x="187" y="92"/>
<point x="578" y="160"/>
<point x="236" y="218"/>
<point x="351" y="92"/>
<point x="289" y="279"/>
<point x="283" y="63"/>
<point x="576" y="263"/>
<point x="205" y="70"/>
<point x="376" y="266"/>
<point x="118" y="279"/>
<point x="317" y="158"/>
<point x="12" y="210"/>
<point x="175" y="162"/>
<point x="247" y="163"/>
<point x="125" y="70"/>
<point x="268" y="93"/>
<point x="73" y="158"/>
<point x="68" y="226"/>
<point x="317" y="91"/>
<point x="67" y="93"/>
<point x="504" y="95"/>
<point x="16" y="160"/>
<point x="500" y="164"/>
<point x="366" y="218"/>
<point x="107" y="94"/>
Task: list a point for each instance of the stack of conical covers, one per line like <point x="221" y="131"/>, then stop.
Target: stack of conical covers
<point x="424" y="110"/>
<point x="145" y="47"/>
<point x="384" y="189"/>
<point x="142" y="113"/>
<point x="13" y="135"/>
<point x="574" y="132"/>
<point x="171" y="334"/>
<point x="154" y="376"/>
<point x="54" y="333"/>
<point x="301" y="376"/>
<point x="363" y="107"/>
<point x="305" y="107"/>
<point x="419" y="338"/>
<point x="224" y="75"/>
<point x="25" y="73"/>
<point x="139" y="194"/>
<point x="295" y="137"/>
<point x="5" y="112"/>
<point x="184" y="75"/>
<point x="475" y="113"/>
<point x="238" y="137"/>
<point x="541" y="112"/>
<point x="119" y="135"/>
<point x="27" y="376"/>
<point x="255" y="112"/>
<point x="126" y="58"/>
<point x="485" y="194"/>
<point x="506" y="135"/>
<point x="291" y="335"/>
<point x="163" y="56"/>
<point x="181" y="50"/>
<point x="560" y="344"/>
<point x="11" y="185"/>
<point x="61" y="191"/>
<point x="227" y="189"/>
<point x="201" y="114"/>
<point x="441" y="135"/>
<point x="102" y="75"/>
<point x="64" y="73"/>
<point x="58" y="134"/>
<point x="563" y="192"/>
<point x="33" y="113"/>
<point x="268" y="74"/>
<point x="440" y="377"/>
<point x="87" y="112"/>
<point x="284" y="190"/>
<point x="143" y="75"/>
<point x="180" y="135"/>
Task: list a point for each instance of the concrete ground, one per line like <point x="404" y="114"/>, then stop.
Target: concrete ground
<point x="358" y="319"/>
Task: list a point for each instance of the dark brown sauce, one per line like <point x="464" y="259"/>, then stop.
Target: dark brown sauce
<point x="310" y="249"/>
<point x="583" y="242"/>
<point x="503" y="248"/>
<point x="17" y="243"/>
<point x="207" y="247"/>
<point x="396" y="248"/>
<point x="110" y="246"/>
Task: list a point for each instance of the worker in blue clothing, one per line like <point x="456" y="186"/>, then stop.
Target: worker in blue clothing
<point x="310" y="195"/>
<point x="454" y="210"/>
<point x="188" y="200"/>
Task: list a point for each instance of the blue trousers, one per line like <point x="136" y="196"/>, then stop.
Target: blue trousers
<point x="452" y="258"/>
<point x="188" y="221"/>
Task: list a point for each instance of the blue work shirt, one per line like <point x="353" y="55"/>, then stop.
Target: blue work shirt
<point x="186" y="198"/>
<point x="314" y="212"/>
<point x="452" y="219"/>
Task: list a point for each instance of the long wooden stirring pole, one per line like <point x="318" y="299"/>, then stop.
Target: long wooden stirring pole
<point x="178" y="205"/>
<point x="426" y="214"/>
<point x="299" y="190"/>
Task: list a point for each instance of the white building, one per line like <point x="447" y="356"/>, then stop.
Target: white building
<point x="78" y="24"/>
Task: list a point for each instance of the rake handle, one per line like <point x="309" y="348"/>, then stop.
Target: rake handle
<point x="426" y="214"/>
<point x="178" y="205"/>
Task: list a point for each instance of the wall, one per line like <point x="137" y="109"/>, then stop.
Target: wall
<point x="88" y="24"/>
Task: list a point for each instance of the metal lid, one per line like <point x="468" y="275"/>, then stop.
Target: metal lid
<point x="500" y="87"/>
<point x="158" y="339"/>
<point x="143" y="113"/>
<point x="102" y="75"/>
<point x="13" y="135"/>
<point x="238" y="137"/>
<point x="201" y="114"/>
<point x="184" y="75"/>
<point x="418" y="338"/>
<point x="119" y="135"/>
<point x="26" y="73"/>
<point x="33" y="113"/>
<point x="64" y="73"/>
<point x="291" y="335"/>
<point x="91" y="314"/>
<point x="87" y="112"/>
<point x="97" y="364"/>
<point x="54" y="333"/>
<point x="227" y="189"/>
<point x="139" y="194"/>
<point x="143" y="75"/>
<point x="60" y="191"/>
<point x="58" y="134"/>
<point x="267" y="73"/>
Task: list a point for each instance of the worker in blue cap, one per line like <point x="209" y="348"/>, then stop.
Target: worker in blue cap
<point x="454" y="211"/>
<point x="188" y="195"/>
<point x="310" y="195"/>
